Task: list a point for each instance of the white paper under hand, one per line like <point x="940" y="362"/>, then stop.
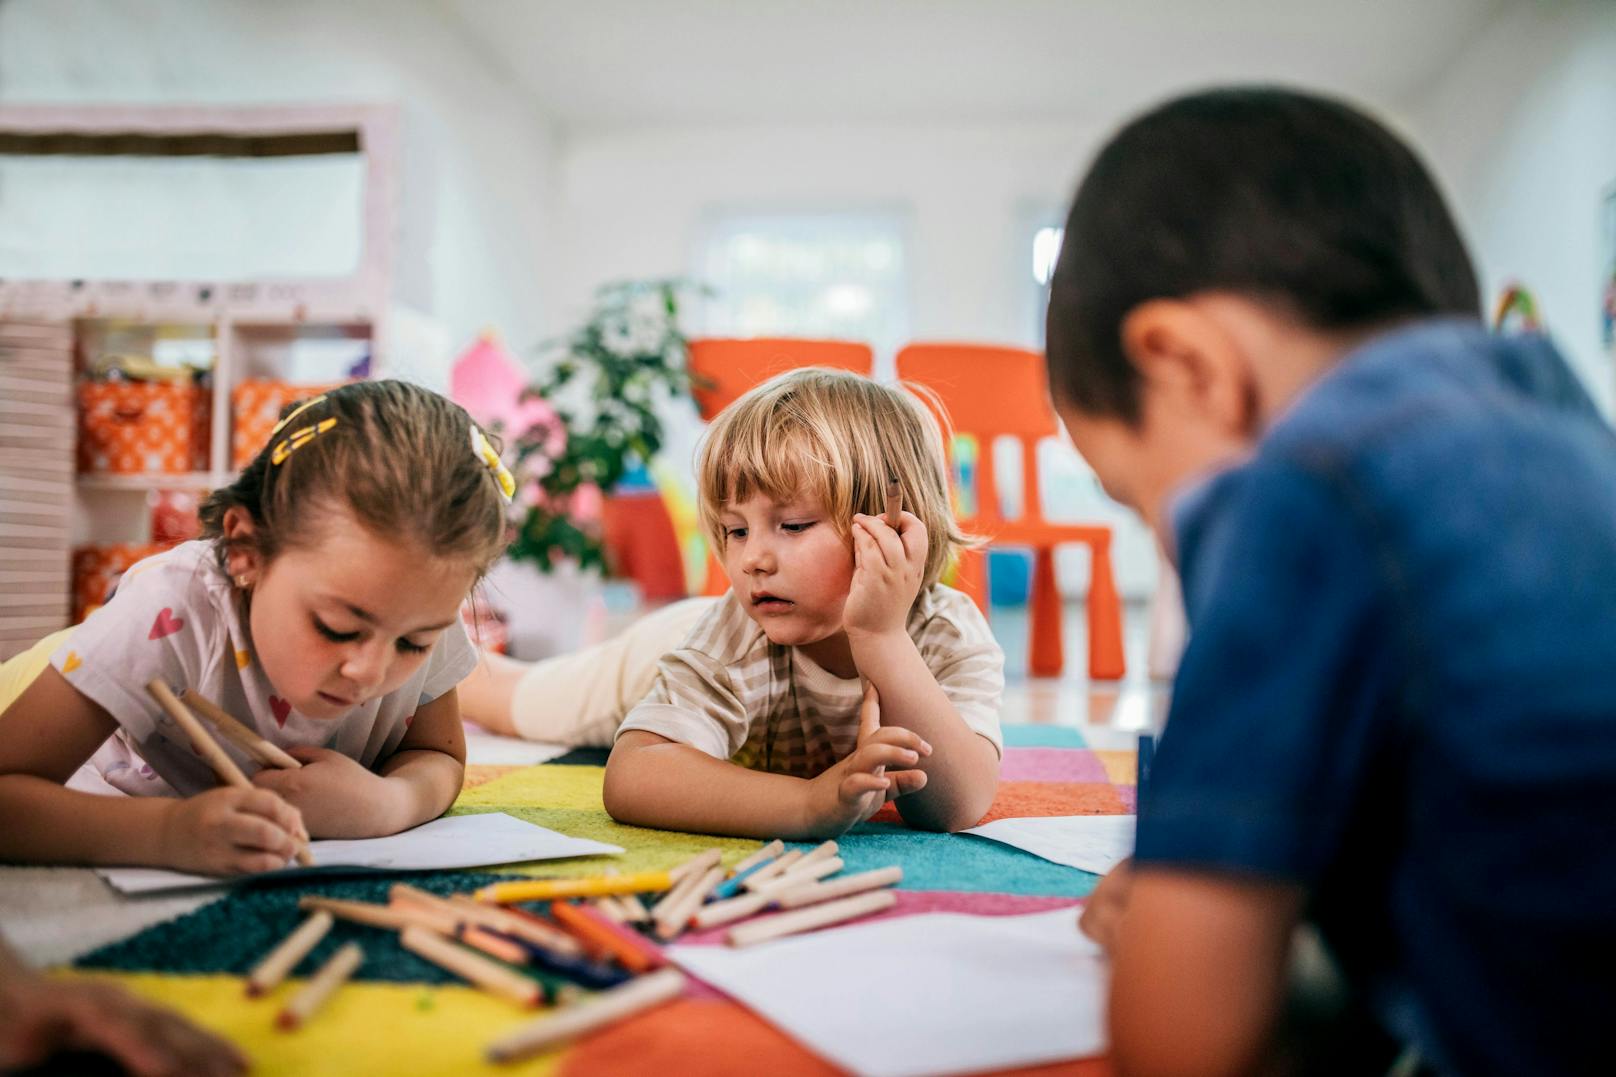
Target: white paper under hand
<point x="1094" y="843"/>
<point x="461" y="841"/>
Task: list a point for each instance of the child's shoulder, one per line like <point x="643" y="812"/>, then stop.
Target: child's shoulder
<point x="177" y="583"/>
<point x="941" y="611"/>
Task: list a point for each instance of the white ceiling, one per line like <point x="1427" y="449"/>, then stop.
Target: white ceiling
<point x="594" y="63"/>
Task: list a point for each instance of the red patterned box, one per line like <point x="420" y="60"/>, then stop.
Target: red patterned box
<point x="97" y="568"/>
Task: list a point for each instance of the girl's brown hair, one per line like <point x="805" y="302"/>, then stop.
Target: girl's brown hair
<point x="397" y="456"/>
<point x="835" y="437"/>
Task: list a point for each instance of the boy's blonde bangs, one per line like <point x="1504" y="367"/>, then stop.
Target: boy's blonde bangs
<point x="834" y="438"/>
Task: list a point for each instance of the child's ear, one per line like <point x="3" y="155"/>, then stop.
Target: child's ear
<point x="241" y="546"/>
<point x="1191" y="363"/>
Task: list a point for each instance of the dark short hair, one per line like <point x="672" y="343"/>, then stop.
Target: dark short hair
<point x="1287" y="197"/>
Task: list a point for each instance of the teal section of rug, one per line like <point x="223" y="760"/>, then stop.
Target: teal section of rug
<point x="1043" y="736"/>
<point x="956" y="862"/>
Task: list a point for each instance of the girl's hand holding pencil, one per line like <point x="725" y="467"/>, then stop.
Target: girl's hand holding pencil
<point x="231" y="831"/>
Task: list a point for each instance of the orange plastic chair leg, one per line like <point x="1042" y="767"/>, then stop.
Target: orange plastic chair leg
<point x="1044" y="644"/>
<point x="716" y="583"/>
<point x="971" y="577"/>
<point x="1106" y="659"/>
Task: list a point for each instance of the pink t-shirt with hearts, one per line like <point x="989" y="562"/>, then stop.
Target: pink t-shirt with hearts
<point x="177" y="616"/>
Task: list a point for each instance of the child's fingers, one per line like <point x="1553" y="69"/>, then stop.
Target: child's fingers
<point x="860" y="784"/>
<point x="873" y="755"/>
<point x="905" y="782"/>
<point x="912" y="534"/>
<point x="886" y="539"/>
<point x="869" y="713"/>
<point x="271" y="806"/>
<point x="253" y="834"/>
<point x="903" y="738"/>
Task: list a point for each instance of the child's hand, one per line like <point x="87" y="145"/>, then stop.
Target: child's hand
<point x="39" y="1017"/>
<point x="888" y="566"/>
<point x="338" y="796"/>
<point x="1103" y="910"/>
<point x="232" y="831"/>
<point x="880" y="768"/>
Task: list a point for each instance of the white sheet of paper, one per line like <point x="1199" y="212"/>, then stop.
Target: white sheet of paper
<point x="938" y="993"/>
<point x="491" y="749"/>
<point x="1094" y="843"/>
<point x="461" y="841"/>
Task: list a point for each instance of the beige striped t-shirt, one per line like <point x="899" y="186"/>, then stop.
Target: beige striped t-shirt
<point x="731" y="693"/>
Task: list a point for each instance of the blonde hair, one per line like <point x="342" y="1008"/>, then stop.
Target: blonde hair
<point x="835" y="437"/>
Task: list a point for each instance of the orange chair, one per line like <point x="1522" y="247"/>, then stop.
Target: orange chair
<point x="990" y="392"/>
<point x="726" y="369"/>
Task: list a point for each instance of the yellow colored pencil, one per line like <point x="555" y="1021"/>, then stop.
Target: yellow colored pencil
<point x="551" y="889"/>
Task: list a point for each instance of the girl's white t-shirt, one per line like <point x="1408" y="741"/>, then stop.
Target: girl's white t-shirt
<point x="177" y="616"/>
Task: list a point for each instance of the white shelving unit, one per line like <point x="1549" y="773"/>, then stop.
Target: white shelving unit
<point x="255" y="327"/>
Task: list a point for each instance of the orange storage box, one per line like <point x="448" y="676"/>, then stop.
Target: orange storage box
<point x="132" y="427"/>
<point x="97" y="568"/>
<point x="255" y="407"/>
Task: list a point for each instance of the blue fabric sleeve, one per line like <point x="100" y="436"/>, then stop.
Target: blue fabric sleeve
<point x="1274" y="717"/>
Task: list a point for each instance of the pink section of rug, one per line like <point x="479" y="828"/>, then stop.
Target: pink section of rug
<point x="1051" y="765"/>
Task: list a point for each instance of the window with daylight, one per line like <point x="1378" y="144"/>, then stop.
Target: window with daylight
<point x="840" y="275"/>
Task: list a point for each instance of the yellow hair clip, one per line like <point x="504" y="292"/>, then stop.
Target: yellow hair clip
<point x="485" y="453"/>
<point x="295" y="412"/>
<point x="298" y="439"/>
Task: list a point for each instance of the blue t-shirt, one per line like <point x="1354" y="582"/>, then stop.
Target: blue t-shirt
<point x="1400" y="691"/>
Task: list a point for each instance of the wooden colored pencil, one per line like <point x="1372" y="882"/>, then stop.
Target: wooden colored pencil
<point x="207" y="747"/>
<point x="332" y="975"/>
<point x="801" y="874"/>
<point x="696" y="865"/>
<point x="606" y="1008"/>
<point x="672" y="917"/>
<point x="586" y="971"/>
<point x="523" y="925"/>
<point x="629" y="948"/>
<point x="555" y="889"/>
<point x="389" y="917"/>
<point x="727" y="912"/>
<point x="608" y="907"/>
<point x="491" y="943"/>
<point x="762" y="856"/>
<point x="472" y="967"/>
<point x="894" y="504"/>
<point x="284" y="957"/>
<point x="814" y="916"/>
<point x="796" y="897"/>
<point x="265" y="752"/>
<point x="634" y="910"/>
<point x="770" y="870"/>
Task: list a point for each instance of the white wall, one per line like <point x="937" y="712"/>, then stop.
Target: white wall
<point x="631" y="203"/>
<point x="1522" y="130"/>
<point x="477" y="157"/>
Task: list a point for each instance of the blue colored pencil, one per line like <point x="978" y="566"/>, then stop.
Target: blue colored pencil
<point x="732" y="885"/>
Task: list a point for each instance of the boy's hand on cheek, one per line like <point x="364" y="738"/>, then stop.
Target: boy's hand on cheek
<point x="888" y="566"/>
<point x="883" y="766"/>
<point x="337" y="795"/>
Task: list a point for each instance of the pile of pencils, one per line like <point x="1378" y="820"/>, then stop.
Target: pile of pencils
<point x="599" y="934"/>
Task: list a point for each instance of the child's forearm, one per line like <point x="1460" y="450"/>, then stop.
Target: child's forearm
<point x="51" y="824"/>
<point x="421" y="786"/>
<point x="656" y="783"/>
<point x="962" y="772"/>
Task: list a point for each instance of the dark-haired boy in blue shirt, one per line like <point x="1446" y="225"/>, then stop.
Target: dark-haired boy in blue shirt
<point x="1396" y="716"/>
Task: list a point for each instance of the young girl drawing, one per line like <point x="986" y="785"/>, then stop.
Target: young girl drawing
<point x="320" y="607"/>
